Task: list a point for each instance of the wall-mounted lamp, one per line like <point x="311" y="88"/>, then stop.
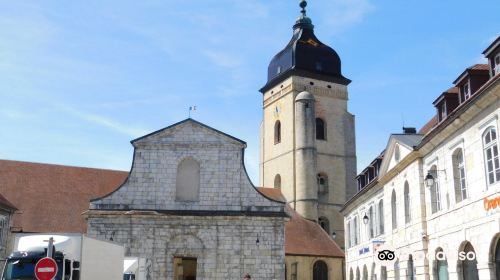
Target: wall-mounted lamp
<point x="334" y="235"/>
<point x="366" y="219"/>
<point x="430" y="180"/>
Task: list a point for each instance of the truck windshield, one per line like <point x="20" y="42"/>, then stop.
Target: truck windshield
<point x="24" y="269"/>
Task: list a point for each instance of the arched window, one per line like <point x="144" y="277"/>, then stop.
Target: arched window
<point x="381" y="217"/>
<point x="320" y="271"/>
<point x="365" y="272"/>
<point x="393" y="210"/>
<point x="397" y="153"/>
<point x="371" y="222"/>
<point x="356" y="230"/>
<point x="277" y="132"/>
<point x="383" y="273"/>
<point x="469" y="267"/>
<point x="373" y="274"/>
<point x="396" y="270"/>
<point x="459" y="175"/>
<point x="358" y="275"/>
<point x="320" y="129"/>
<point x="322" y="180"/>
<point x="441" y="263"/>
<point x="491" y="155"/>
<point x="351" y="274"/>
<point x="187" y="185"/>
<point x="407" y="203"/>
<point x="325" y="224"/>
<point x="410" y="269"/>
<point x="277" y="181"/>
<point x="435" y="191"/>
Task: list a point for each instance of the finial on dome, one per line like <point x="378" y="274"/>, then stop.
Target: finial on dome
<point x="303" y="21"/>
<point x="303" y="5"/>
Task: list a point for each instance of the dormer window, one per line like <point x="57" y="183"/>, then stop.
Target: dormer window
<point x="496" y="64"/>
<point x="278" y="71"/>
<point x="465" y="92"/>
<point x="444" y="112"/>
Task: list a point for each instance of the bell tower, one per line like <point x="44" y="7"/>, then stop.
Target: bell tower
<point x="307" y="133"/>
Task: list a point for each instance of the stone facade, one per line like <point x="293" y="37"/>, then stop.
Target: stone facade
<point x="230" y="228"/>
<point x="336" y="155"/>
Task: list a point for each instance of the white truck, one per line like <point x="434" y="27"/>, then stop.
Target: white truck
<point x="78" y="257"/>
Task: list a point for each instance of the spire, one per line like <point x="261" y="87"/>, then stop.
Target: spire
<point x="303" y="21"/>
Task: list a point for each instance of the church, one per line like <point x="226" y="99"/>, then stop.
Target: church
<point x="187" y="208"/>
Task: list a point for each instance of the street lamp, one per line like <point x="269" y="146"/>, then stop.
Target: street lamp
<point x="366" y="219"/>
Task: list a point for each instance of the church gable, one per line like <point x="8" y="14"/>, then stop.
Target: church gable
<point x="187" y="167"/>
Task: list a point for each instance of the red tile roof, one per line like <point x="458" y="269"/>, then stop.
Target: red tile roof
<point x="307" y="238"/>
<point x="304" y="237"/>
<point x="480" y="67"/>
<point x="429" y="125"/>
<point x="452" y="90"/>
<point x="272" y="193"/>
<point x="51" y="198"/>
<point x="6" y="204"/>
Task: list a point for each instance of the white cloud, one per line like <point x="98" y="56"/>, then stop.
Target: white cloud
<point x="342" y="14"/>
<point x="104" y="122"/>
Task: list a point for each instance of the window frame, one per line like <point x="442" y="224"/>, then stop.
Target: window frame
<point x="277" y="132"/>
<point x="486" y="147"/>
<point x="324" y="130"/>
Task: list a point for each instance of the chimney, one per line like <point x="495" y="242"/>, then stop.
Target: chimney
<point x="409" y="130"/>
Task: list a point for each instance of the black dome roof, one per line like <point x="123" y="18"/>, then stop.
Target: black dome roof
<point x="305" y="55"/>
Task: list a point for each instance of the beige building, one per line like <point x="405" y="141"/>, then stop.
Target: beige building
<point x="307" y="132"/>
<point x="434" y="196"/>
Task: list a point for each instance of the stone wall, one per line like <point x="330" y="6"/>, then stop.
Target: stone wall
<point x="225" y="247"/>
<point x="231" y="228"/>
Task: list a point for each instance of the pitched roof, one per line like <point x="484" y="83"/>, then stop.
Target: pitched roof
<point x="6" y="204"/>
<point x="492" y="46"/>
<point x="272" y="193"/>
<point x="188" y="120"/>
<point x="307" y="238"/>
<point x="410" y="140"/>
<point x="476" y="68"/>
<point x="51" y="198"/>
<point x="304" y="237"/>
<point x="429" y="125"/>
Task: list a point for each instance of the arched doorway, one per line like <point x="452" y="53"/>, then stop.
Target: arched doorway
<point x="469" y="265"/>
<point x="410" y="269"/>
<point x="320" y="271"/>
<point x="383" y="273"/>
<point x="441" y="265"/>
<point x="497" y="259"/>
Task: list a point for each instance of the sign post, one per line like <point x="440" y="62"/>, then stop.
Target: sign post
<point x="46" y="269"/>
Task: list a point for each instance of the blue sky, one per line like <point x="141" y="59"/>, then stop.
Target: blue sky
<point x="80" y="79"/>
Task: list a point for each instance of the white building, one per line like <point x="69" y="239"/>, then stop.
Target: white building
<point x="435" y="193"/>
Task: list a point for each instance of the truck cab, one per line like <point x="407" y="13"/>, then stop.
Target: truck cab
<point x="20" y="265"/>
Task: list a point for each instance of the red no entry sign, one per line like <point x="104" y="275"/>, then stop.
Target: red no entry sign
<point x="46" y="269"/>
